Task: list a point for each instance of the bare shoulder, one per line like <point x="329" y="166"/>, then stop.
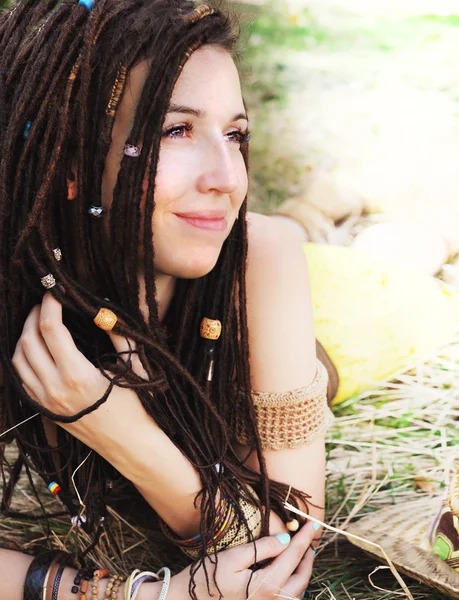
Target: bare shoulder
<point x="266" y="234"/>
<point x="274" y="254"/>
<point x="279" y="307"/>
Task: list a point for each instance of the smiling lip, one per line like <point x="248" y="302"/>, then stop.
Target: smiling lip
<point x="210" y="220"/>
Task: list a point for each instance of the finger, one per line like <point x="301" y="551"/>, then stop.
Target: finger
<point x="284" y="565"/>
<point x="125" y="347"/>
<point x="299" y="581"/>
<point x="243" y="557"/>
<point x="276" y="524"/>
<point x="35" y="349"/>
<point x="30" y="381"/>
<point x="57" y="337"/>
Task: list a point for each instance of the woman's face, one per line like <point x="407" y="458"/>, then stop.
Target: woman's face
<point x="201" y="180"/>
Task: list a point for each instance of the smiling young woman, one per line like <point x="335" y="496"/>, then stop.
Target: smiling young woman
<point x="163" y="334"/>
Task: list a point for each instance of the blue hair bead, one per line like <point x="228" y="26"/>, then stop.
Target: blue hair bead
<point x="87" y="3"/>
<point x="27" y="127"/>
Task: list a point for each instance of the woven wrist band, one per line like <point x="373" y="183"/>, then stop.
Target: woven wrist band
<point x="57" y="580"/>
<point x="235" y="533"/>
<point x="290" y="419"/>
<point x="37" y="574"/>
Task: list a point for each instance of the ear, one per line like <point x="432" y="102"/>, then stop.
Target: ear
<point x="72" y="184"/>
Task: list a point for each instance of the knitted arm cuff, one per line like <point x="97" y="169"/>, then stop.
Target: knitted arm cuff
<point x="290" y="419"/>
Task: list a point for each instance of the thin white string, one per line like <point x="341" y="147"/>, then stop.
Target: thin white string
<point x="19" y="424"/>
<point x="351" y="535"/>
<point x="73" y="481"/>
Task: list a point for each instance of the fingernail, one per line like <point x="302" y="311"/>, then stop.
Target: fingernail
<point x="316" y="526"/>
<point x="283" y="538"/>
<point x="314" y="551"/>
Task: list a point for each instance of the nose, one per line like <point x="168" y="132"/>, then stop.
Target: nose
<point x="219" y="169"/>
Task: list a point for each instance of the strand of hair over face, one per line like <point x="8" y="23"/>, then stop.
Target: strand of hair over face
<point x="63" y="70"/>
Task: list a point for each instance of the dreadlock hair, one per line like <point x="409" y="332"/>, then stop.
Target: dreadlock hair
<point x="63" y="70"/>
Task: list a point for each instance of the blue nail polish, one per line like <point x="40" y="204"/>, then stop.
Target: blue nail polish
<point x="283" y="538"/>
<point x="316" y="526"/>
<point x="314" y="551"/>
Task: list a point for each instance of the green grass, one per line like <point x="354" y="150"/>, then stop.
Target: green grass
<point x="452" y="20"/>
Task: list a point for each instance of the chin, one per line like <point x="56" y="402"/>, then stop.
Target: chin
<point x="196" y="270"/>
<point x="192" y="266"/>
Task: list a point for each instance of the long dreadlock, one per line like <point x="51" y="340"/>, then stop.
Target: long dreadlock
<point x="62" y="75"/>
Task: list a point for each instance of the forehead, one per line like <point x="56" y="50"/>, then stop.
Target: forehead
<point x="208" y="82"/>
<point x="210" y="79"/>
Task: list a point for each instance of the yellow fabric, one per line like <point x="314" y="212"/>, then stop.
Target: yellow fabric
<point x="374" y="318"/>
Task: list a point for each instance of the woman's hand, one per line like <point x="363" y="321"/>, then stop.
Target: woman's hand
<point x="59" y="377"/>
<point x="53" y="371"/>
<point x="288" y="575"/>
<point x="276" y="524"/>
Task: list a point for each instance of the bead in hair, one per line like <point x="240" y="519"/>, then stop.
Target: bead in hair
<point x="199" y="13"/>
<point x="105" y="319"/>
<point x="96" y="211"/>
<point x="48" y="281"/>
<point x="211" y="329"/>
<point x="26" y="131"/>
<point x="54" y="488"/>
<point x="86" y="3"/>
<point x="57" y="254"/>
<point x="133" y="151"/>
<point x="117" y="90"/>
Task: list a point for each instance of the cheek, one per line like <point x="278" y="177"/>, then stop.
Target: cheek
<point x="172" y="182"/>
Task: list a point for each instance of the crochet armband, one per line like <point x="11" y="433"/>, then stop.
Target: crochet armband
<point x="290" y="419"/>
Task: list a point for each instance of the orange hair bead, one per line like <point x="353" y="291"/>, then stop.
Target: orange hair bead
<point x="210" y="329"/>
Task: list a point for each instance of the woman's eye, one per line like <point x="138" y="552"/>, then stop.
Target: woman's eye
<point x="240" y="137"/>
<point x="178" y="131"/>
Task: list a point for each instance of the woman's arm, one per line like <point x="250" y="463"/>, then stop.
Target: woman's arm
<point x="290" y="572"/>
<point x="13" y="571"/>
<point x="126" y="436"/>
<point x="282" y="343"/>
<point x="60" y="378"/>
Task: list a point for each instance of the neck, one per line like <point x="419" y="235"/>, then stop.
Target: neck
<point x="165" y="287"/>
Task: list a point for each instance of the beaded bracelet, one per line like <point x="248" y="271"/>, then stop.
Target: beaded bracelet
<point x="81" y="581"/>
<point x="113" y="587"/>
<point x="98" y="575"/>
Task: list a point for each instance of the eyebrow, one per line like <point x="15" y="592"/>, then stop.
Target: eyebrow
<point x="178" y="108"/>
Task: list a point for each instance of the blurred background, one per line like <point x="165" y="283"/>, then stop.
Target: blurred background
<point x="355" y="114"/>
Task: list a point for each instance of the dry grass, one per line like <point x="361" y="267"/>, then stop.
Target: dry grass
<point x="390" y="445"/>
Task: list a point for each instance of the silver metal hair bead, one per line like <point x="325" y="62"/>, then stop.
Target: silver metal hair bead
<point x="133" y="151"/>
<point x="96" y="211"/>
<point x="57" y="254"/>
<point x="48" y="281"/>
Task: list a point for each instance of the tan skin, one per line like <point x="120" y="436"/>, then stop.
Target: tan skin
<point x="212" y="177"/>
